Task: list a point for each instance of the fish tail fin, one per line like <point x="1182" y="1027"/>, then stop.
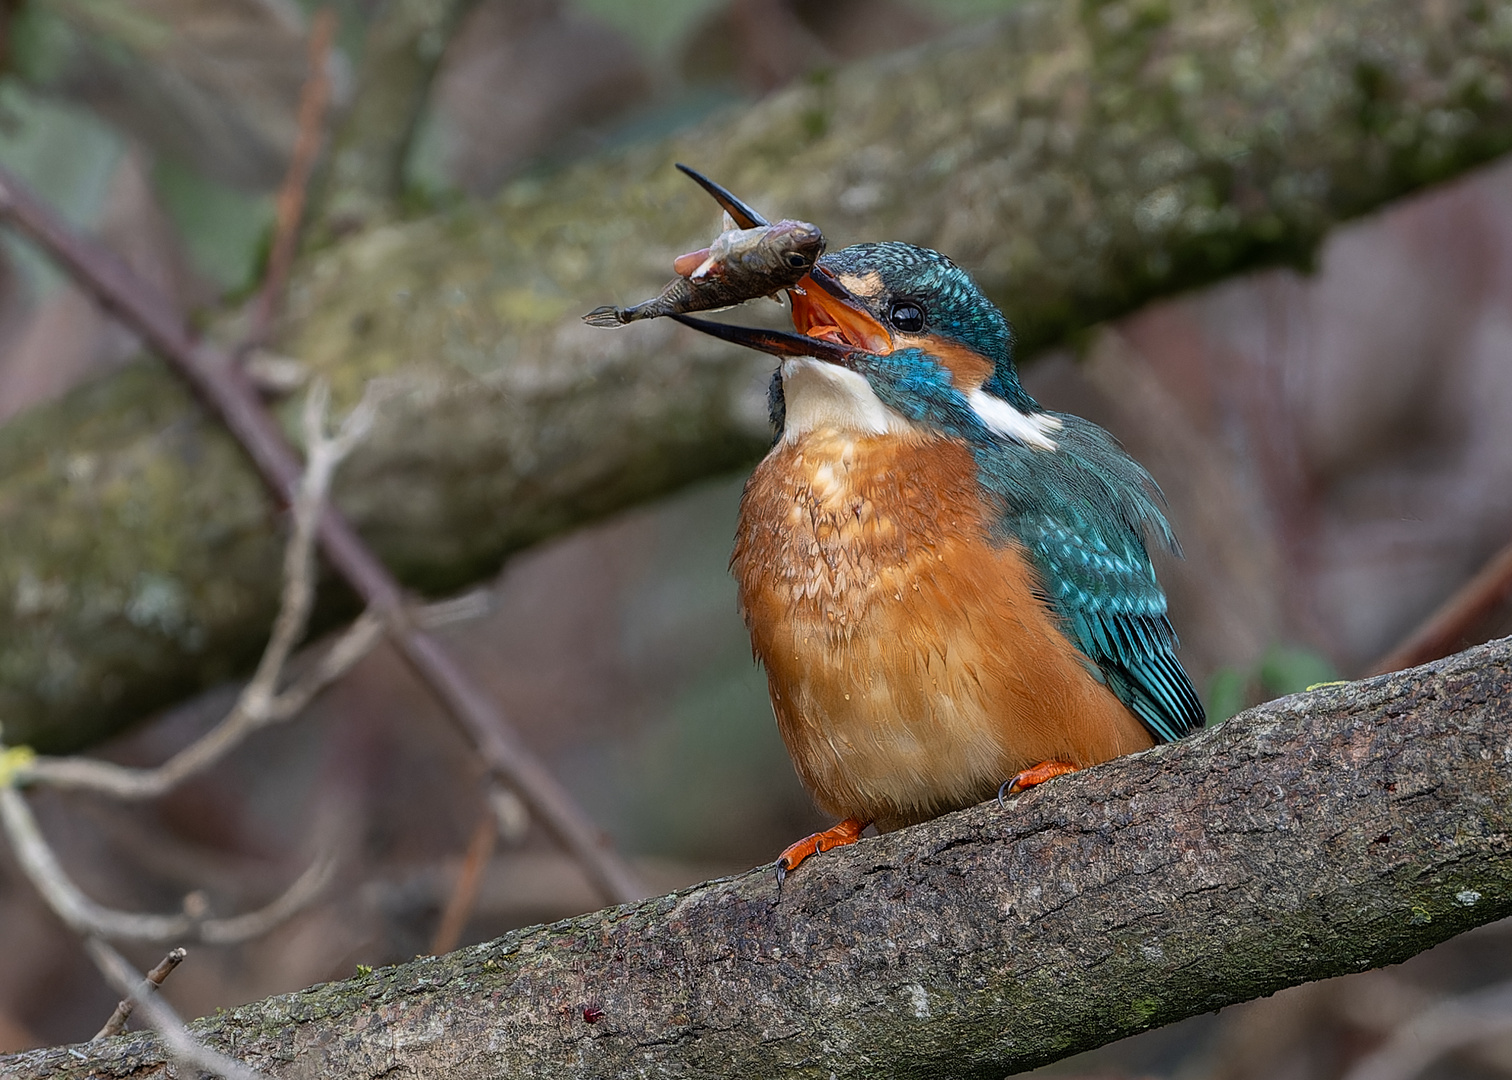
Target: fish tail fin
<point x="606" y="316"/>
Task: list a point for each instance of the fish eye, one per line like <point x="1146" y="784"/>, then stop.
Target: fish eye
<point x="797" y="259"/>
<point x="906" y="315"/>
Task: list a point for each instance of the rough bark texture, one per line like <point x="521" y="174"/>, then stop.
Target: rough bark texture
<point x="1321" y="834"/>
<point x="1079" y="158"/>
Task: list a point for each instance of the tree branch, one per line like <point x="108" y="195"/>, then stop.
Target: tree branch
<point x="1317" y="835"/>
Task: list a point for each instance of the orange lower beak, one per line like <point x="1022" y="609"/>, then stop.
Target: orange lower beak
<point x="832" y="325"/>
<point x="825" y="309"/>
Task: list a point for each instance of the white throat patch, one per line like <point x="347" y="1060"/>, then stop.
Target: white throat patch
<point x="823" y="396"/>
<point x="820" y="396"/>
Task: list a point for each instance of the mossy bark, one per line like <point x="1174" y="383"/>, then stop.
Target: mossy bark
<point x="1078" y="158"/>
<point x="1321" y="834"/>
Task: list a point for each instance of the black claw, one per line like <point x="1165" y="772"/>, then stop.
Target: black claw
<point x="782" y="873"/>
<point x="1005" y="790"/>
<point x="743" y="215"/>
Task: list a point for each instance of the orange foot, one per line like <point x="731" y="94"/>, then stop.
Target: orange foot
<point x="1038" y="774"/>
<point x="847" y="832"/>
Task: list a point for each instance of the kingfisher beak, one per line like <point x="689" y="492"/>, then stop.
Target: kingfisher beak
<point x="776" y="342"/>
<point x="833" y="325"/>
<point x="824" y="309"/>
<point x="739" y="212"/>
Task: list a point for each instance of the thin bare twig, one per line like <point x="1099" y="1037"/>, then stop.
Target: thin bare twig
<point x="229" y="393"/>
<point x="245" y="717"/>
<point x="1441" y="633"/>
<point x="177" y="1039"/>
<point x="89" y="919"/>
<point x="1452" y="1024"/>
<point x="260" y="703"/>
<point x="306" y="889"/>
<point x="117" y="1022"/>
<point x="464" y="894"/>
<point x="313" y="101"/>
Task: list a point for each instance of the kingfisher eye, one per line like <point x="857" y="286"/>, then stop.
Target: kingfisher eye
<point x="907" y="316"/>
<point x="797" y="259"/>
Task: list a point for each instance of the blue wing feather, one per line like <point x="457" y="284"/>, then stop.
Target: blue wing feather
<point x="1083" y="513"/>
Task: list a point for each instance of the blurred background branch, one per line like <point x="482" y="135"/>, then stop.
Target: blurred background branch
<point x="292" y="194"/>
<point x="1470" y="606"/>
<point x="261" y="701"/>
<point x="402" y="47"/>
<point x="218" y="383"/>
<point x="259" y="704"/>
<point x="1452" y="1024"/>
<point x="89" y="919"/>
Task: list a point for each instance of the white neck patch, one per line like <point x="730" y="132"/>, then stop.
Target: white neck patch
<point x="820" y="396"/>
<point x="824" y="396"/>
<point x="1031" y="429"/>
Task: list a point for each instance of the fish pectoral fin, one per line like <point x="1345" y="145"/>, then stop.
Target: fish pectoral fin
<point x="711" y="265"/>
<point x="685" y="265"/>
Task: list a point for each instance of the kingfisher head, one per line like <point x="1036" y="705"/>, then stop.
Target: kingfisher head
<point x="897" y="339"/>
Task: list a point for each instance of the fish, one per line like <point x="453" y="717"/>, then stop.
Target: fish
<point x="750" y="258"/>
<point x="740" y="265"/>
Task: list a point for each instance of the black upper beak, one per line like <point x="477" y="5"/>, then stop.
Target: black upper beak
<point x="826" y="280"/>
<point x="742" y="214"/>
<point x="776" y="342"/>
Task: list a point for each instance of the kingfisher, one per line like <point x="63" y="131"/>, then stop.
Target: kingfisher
<point x="948" y="585"/>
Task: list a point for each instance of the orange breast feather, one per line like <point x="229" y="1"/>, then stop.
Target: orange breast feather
<point x="911" y="667"/>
